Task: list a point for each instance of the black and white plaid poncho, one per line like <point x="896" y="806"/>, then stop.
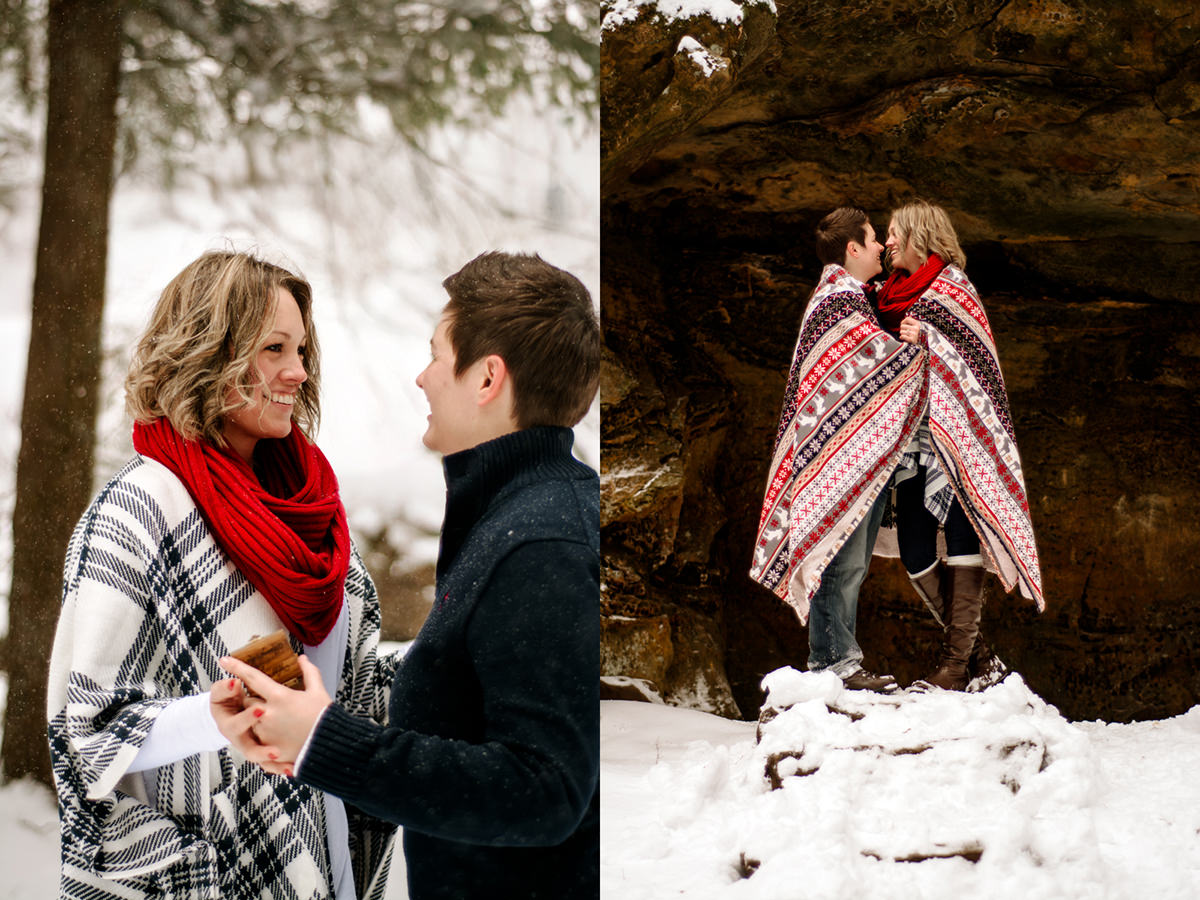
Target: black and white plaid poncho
<point x="150" y="603"/>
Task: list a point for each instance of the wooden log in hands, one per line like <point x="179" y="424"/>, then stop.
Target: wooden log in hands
<point x="273" y="655"/>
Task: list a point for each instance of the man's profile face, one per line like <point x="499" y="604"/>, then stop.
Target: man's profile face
<point x="453" y="409"/>
<point x="862" y="260"/>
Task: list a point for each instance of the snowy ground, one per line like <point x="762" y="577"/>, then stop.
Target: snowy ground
<point x="1114" y="814"/>
<point x="894" y="798"/>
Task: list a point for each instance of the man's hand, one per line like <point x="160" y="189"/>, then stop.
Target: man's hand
<point x="910" y="330"/>
<point x="281" y="722"/>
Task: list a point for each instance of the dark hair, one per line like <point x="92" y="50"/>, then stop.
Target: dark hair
<point x="836" y="230"/>
<point x="540" y="321"/>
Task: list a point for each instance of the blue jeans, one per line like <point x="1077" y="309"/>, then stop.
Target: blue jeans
<point x="834" y="608"/>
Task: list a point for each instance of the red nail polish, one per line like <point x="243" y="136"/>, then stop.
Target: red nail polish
<point x="258" y="713"/>
<point x="273" y="756"/>
<point x="232" y="683"/>
<point x="287" y="772"/>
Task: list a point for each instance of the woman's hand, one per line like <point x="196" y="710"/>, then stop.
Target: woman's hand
<point x="236" y="713"/>
<point x="273" y="730"/>
<point x="910" y="330"/>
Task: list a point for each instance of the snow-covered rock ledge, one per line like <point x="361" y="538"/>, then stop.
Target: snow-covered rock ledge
<point x="994" y="777"/>
<point x="992" y="795"/>
<point x="623" y="12"/>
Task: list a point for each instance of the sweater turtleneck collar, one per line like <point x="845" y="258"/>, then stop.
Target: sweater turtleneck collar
<point x="474" y="477"/>
<point x="496" y="462"/>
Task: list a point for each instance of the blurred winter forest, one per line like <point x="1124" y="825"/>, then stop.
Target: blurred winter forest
<point x="374" y="146"/>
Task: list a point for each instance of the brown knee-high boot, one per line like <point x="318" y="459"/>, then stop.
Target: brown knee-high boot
<point x="931" y="588"/>
<point x="963" y="606"/>
<point x="984" y="668"/>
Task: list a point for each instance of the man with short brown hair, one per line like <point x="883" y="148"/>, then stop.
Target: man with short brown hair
<point x="539" y="319"/>
<point x="821" y="511"/>
<point x="490" y="758"/>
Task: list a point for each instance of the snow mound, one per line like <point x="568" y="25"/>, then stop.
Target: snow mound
<point x="995" y="778"/>
<point x="854" y="794"/>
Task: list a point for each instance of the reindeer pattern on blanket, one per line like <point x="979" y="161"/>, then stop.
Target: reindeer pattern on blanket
<point x="855" y="397"/>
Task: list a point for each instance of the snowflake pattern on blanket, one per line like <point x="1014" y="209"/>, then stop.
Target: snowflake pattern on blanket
<point x="971" y="426"/>
<point x="150" y="604"/>
<point x="855" y="396"/>
<point x="854" y="399"/>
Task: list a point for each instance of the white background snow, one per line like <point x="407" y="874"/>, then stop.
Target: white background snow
<point x="375" y="233"/>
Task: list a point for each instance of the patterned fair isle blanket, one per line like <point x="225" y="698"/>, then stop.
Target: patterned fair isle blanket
<point x="854" y="399"/>
<point x="971" y="426"/>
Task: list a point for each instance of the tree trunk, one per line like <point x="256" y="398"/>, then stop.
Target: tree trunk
<point x="54" y="466"/>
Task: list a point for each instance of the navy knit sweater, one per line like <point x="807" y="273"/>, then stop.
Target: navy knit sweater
<point x="490" y="760"/>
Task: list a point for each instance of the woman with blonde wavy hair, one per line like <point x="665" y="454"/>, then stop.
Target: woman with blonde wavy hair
<point x="962" y="472"/>
<point x="226" y="525"/>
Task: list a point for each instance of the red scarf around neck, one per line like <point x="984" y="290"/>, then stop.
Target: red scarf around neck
<point x="902" y="290"/>
<point x="288" y="535"/>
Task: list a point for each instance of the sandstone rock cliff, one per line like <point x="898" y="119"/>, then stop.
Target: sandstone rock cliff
<point x="1064" y="141"/>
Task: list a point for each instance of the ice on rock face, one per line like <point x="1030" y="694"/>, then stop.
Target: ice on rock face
<point x="706" y="62"/>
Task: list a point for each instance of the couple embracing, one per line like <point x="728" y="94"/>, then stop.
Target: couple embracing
<point x="895" y="394"/>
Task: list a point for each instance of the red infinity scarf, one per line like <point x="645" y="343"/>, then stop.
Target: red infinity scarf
<point x="902" y="290"/>
<point x="288" y="535"/>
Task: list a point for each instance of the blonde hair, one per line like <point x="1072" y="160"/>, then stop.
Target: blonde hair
<point x="928" y="230"/>
<point x="197" y="360"/>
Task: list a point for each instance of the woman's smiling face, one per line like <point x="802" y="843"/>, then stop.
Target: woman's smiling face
<point x="280" y="363"/>
<point x="901" y="253"/>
